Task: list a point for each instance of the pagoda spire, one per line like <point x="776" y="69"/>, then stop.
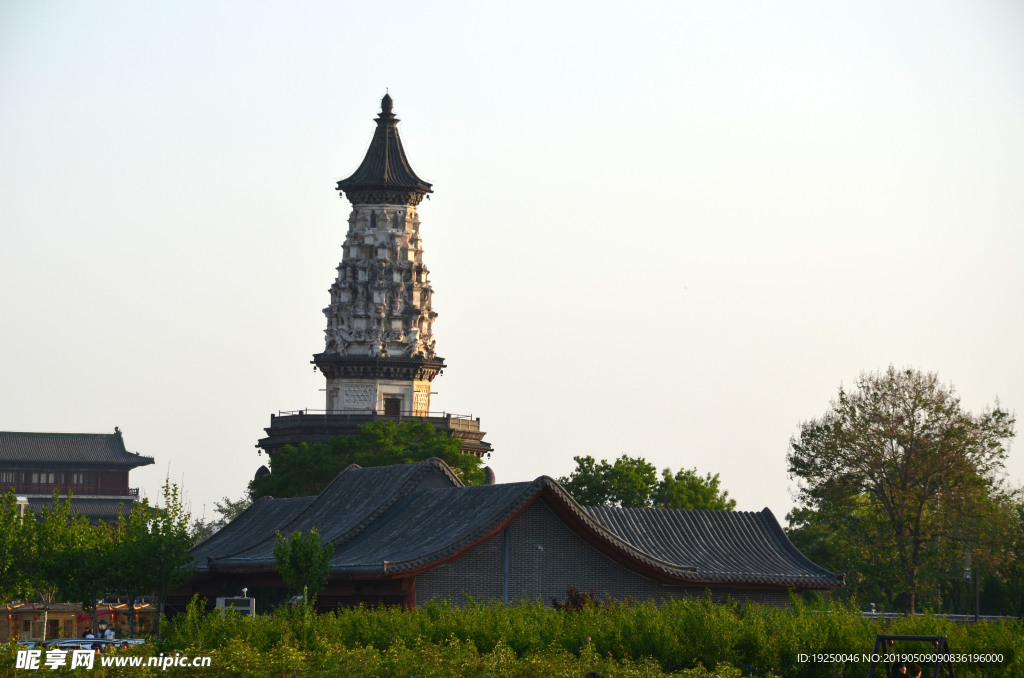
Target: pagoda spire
<point x="385" y="176"/>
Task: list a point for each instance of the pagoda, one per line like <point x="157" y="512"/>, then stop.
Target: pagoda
<point x="379" y="356"/>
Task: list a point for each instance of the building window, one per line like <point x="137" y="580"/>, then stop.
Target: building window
<point x="392" y="406"/>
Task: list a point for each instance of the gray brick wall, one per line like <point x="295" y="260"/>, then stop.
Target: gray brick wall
<point x="545" y="557"/>
<point x="477" y="573"/>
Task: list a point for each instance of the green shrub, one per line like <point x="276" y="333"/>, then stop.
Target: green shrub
<point x="689" y="638"/>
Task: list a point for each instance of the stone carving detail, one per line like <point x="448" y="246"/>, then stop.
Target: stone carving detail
<point x="381" y="298"/>
<point x="358" y="397"/>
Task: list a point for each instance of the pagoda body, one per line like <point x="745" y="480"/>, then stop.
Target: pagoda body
<point x="379" y="355"/>
<point x="379" y="347"/>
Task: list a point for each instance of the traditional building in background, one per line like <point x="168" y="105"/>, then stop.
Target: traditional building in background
<point x="94" y="467"/>
<point x="379" y="356"/>
<point x="406" y="534"/>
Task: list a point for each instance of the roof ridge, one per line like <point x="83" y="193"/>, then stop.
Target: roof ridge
<point x="59" y="433"/>
<point x="403" y="491"/>
<point x="443" y="466"/>
<point x="315" y="497"/>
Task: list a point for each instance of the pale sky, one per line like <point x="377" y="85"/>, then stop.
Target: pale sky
<point x="670" y="230"/>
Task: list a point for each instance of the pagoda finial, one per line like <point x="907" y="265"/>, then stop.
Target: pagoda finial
<point x="386" y="104"/>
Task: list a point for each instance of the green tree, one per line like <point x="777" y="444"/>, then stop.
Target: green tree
<point x="632" y="482"/>
<point x="1007" y="597"/>
<point x="87" y="563"/>
<point x="50" y="552"/>
<point x="201" y="529"/>
<point x="132" y="555"/>
<point x="688" y="490"/>
<point x="303" y="561"/>
<point x="153" y="544"/>
<point x="996" y="547"/>
<point x="897" y="477"/>
<point x="62" y="556"/>
<point x="306" y="469"/>
<point x="16" y="538"/>
<point x="629" y="482"/>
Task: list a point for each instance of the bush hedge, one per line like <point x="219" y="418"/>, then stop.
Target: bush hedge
<point x="692" y="638"/>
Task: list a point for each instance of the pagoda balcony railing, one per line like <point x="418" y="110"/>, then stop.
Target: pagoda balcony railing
<point x="441" y="420"/>
<point x="377" y="413"/>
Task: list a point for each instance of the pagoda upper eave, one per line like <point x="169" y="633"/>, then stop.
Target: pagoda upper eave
<point x="335" y="365"/>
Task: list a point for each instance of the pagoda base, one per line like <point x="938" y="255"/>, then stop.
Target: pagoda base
<point x="309" y="426"/>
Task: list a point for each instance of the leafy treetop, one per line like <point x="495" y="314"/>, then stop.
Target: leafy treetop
<point x="298" y="471"/>
<point x="303" y="561"/>
<point x="202" y="529"/>
<point x="632" y="482"/>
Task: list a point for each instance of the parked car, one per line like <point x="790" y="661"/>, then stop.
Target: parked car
<point x="77" y="643"/>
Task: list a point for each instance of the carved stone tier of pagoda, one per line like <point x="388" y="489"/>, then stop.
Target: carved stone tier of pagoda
<point x="379" y="355"/>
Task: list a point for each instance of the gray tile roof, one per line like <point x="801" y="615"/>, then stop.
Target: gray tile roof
<point x="429" y="526"/>
<point x="410" y="517"/>
<point x="724" y="546"/>
<point x="253" y="525"/>
<point x="94" y="449"/>
<point x="351" y="502"/>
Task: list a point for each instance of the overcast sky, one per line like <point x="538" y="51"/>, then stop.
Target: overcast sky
<point x="670" y="230"/>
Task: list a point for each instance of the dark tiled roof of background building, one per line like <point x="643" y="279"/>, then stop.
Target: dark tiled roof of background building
<point x="407" y="518"/>
<point x="724" y="546"/>
<point x="351" y="502"/>
<point x="94" y="449"/>
<point x="252" y="526"/>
